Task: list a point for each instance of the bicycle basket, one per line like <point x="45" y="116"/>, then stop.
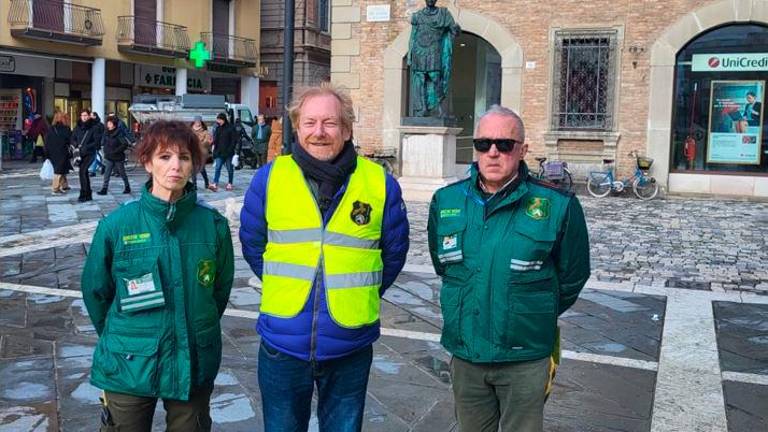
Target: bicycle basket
<point x="554" y="170"/>
<point x="644" y="163"/>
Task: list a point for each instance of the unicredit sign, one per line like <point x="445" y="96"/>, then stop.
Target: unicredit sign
<point x="729" y="62"/>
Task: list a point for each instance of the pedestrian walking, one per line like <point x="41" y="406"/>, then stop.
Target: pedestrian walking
<point x="260" y="134"/>
<point x="275" y="140"/>
<point x="115" y="143"/>
<point x="513" y="254"/>
<point x="57" y="142"/>
<point x="224" y="143"/>
<point x="327" y="233"/>
<point x="98" y="161"/>
<point x="156" y="283"/>
<point x="201" y="130"/>
<point x="85" y="139"/>
<point x="36" y="133"/>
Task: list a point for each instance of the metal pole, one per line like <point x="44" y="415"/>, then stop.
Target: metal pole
<point x="287" y="72"/>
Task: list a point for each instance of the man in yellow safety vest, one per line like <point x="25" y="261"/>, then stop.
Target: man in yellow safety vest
<point x="327" y="232"/>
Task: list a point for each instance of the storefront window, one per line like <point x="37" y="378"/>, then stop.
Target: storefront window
<point x="719" y="124"/>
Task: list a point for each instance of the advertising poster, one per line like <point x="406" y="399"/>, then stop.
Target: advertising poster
<point x="735" y="122"/>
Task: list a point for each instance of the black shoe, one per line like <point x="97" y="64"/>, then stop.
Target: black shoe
<point x="82" y="198"/>
<point x="92" y="174"/>
<point x="127" y="190"/>
<point x="102" y="192"/>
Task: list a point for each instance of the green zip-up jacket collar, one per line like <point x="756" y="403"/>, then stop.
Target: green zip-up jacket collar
<point x="156" y="282"/>
<point x="510" y="264"/>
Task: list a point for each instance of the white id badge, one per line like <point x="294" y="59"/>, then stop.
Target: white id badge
<point x="142" y="294"/>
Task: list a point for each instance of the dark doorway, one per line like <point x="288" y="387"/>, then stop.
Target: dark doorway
<point x="475" y="86"/>
<point x="48" y="15"/>
<point x="221" y="28"/>
<point x="145" y="22"/>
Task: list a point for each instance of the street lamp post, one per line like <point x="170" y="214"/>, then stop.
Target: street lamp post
<point x="287" y="72"/>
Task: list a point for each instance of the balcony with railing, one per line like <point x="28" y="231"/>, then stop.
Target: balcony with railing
<point x="55" y="20"/>
<point x="147" y="36"/>
<point x="231" y="50"/>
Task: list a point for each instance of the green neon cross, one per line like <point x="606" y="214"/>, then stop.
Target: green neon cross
<point x="199" y="55"/>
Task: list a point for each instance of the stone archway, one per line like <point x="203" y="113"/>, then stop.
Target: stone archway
<point x="663" y="56"/>
<point x="482" y="26"/>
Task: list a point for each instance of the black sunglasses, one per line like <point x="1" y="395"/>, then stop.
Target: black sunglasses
<point x="502" y="145"/>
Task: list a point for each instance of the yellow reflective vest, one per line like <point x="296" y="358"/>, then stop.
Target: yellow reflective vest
<point x="347" y="248"/>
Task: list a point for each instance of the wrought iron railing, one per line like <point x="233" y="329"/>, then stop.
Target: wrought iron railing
<point x="226" y="48"/>
<point x="584" y="80"/>
<point x="56" y="18"/>
<point x="151" y="35"/>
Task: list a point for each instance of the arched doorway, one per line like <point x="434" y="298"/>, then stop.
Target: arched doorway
<point x="718" y="118"/>
<point x="395" y="70"/>
<point x="476" y="86"/>
<point x="660" y="127"/>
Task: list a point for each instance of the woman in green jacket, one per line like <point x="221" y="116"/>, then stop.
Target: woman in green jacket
<point x="156" y="283"/>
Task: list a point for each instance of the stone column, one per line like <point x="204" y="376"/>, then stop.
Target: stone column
<point x="98" y="85"/>
<point x="181" y="81"/>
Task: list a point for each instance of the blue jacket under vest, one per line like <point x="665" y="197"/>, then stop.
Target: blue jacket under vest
<point x="295" y="336"/>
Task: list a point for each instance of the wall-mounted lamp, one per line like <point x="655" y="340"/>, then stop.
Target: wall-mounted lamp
<point x="636" y="51"/>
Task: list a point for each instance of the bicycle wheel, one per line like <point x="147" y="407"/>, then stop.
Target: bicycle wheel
<point x="599" y="184"/>
<point x="645" y="187"/>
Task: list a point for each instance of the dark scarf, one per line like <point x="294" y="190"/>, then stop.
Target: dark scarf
<point x="328" y="175"/>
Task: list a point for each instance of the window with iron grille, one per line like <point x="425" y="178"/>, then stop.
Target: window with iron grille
<point x="584" y="80"/>
<point x="324" y="15"/>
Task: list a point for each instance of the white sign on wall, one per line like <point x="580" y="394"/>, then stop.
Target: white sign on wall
<point x="377" y="13"/>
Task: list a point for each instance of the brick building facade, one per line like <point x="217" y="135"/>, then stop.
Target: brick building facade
<point x="636" y="102"/>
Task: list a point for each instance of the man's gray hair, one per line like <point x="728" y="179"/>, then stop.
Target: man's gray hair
<point x="504" y="112"/>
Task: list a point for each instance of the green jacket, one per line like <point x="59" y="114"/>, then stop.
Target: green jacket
<point x="156" y="282"/>
<point x="510" y="265"/>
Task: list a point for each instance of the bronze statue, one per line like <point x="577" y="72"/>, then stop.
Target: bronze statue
<point x="430" y="54"/>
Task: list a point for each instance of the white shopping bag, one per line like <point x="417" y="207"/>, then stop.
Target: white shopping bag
<point x="46" y="172"/>
<point x="236" y="161"/>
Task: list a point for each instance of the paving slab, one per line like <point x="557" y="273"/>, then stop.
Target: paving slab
<point x="742" y="336"/>
<point x="746" y="406"/>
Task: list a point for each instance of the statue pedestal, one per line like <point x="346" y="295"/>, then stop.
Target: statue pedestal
<point x="428" y="160"/>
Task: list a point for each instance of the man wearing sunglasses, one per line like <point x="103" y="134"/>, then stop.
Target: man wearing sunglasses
<point x="513" y="253"/>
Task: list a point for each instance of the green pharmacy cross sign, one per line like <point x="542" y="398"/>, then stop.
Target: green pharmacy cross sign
<point x="199" y="54"/>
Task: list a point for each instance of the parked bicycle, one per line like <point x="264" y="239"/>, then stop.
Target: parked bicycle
<point x="555" y="172"/>
<point x="601" y="183"/>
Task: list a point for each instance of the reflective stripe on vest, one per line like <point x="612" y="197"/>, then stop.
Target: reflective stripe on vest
<point x="348" y="247"/>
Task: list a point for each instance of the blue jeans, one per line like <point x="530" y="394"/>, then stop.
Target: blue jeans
<point x="287" y="384"/>
<point x="217" y="169"/>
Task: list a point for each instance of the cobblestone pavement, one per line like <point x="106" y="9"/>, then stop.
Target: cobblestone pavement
<point x="677" y="243"/>
<point x="670" y="334"/>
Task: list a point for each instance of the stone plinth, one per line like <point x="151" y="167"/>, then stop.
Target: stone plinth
<point x="428" y="160"/>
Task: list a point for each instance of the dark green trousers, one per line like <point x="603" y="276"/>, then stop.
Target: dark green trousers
<point x="126" y="413"/>
<point x="510" y="395"/>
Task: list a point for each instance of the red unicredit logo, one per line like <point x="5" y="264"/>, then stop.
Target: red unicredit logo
<point x="713" y="62"/>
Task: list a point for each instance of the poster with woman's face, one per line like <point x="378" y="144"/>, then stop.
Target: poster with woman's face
<point x="735" y="122"/>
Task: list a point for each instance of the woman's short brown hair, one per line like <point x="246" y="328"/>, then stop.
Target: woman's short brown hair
<point x="164" y="134"/>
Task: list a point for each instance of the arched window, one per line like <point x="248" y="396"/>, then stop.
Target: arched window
<point x="719" y="121"/>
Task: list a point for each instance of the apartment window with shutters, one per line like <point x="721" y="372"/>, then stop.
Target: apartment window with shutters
<point x="584" y="80"/>
<point x="324" y="15"/>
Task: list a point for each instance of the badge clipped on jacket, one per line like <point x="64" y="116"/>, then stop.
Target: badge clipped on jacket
<point x="143" y="294"/>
